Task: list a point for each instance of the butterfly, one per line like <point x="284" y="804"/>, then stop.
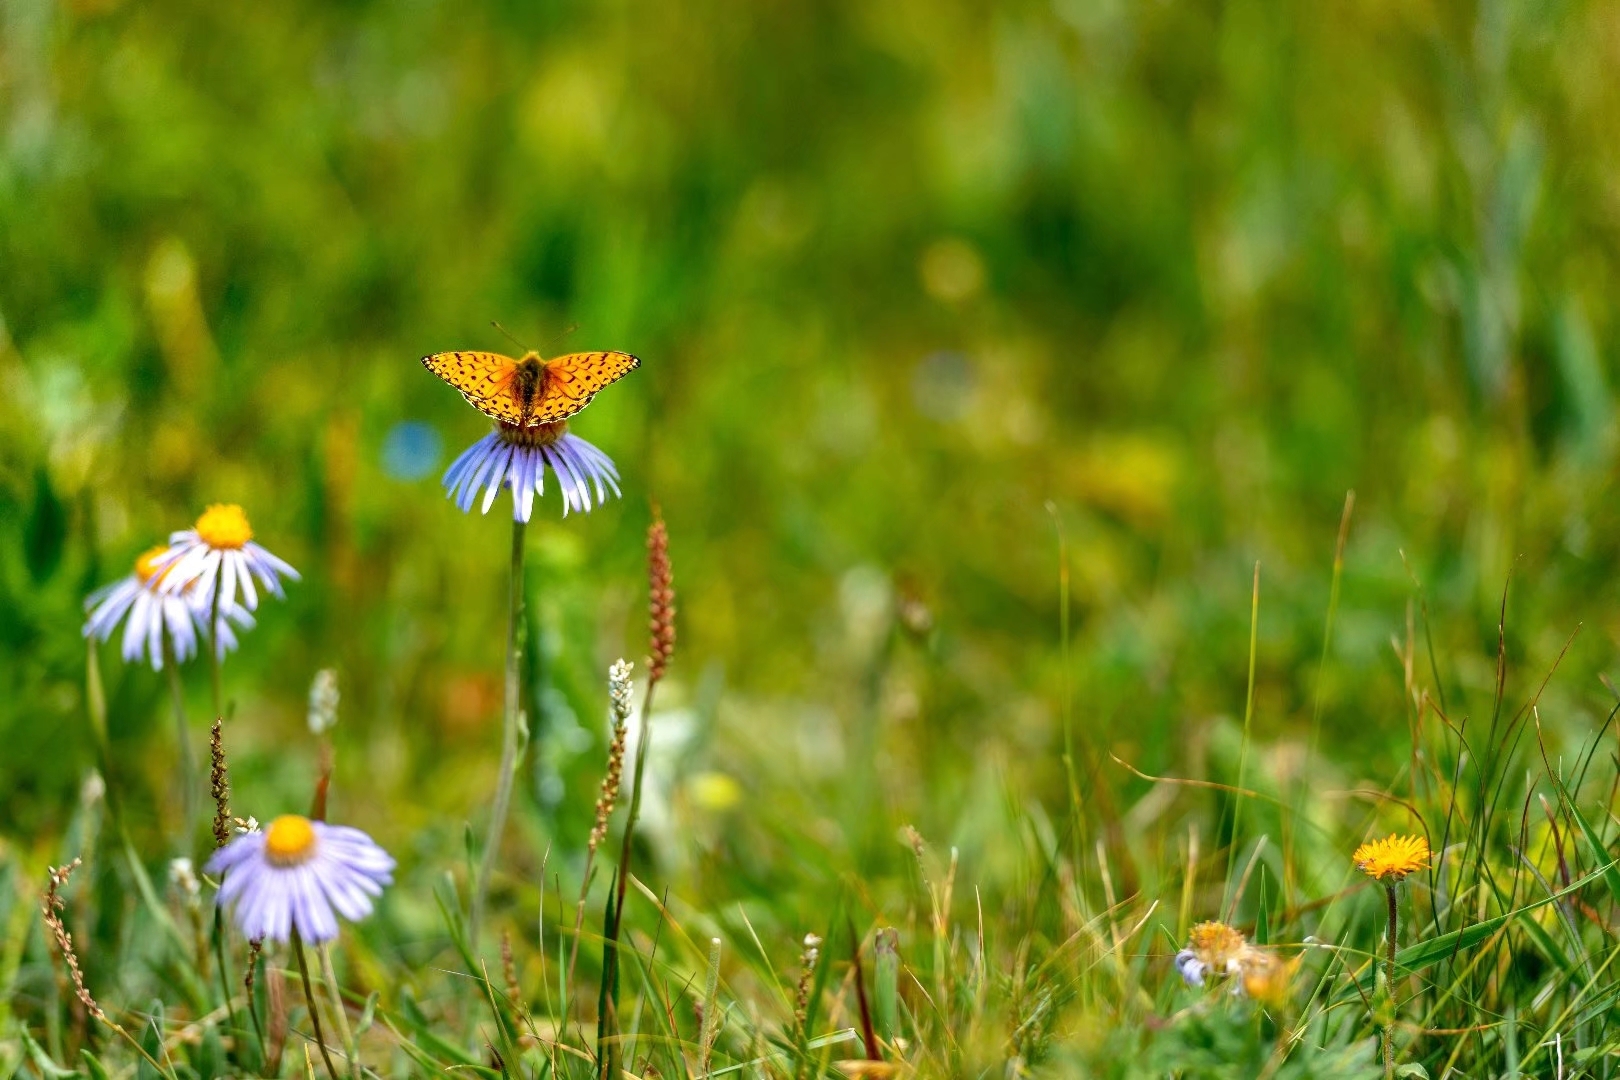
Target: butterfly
<point x="530" y="391"/>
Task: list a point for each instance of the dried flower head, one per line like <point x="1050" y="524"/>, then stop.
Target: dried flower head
<point x="1389" y="860"/>
<point x="1217" y="950"/>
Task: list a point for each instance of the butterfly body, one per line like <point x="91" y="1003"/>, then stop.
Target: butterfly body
<point x="529" y="380"/>
<point x="530" y="391"/>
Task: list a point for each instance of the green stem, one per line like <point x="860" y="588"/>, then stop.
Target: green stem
<point x="188" y="760"/>
<point x="607" y="1034"/>
<point x="1389" y="978"/>
<point x="309" y="999"/>
<point x="224" y="978"/>
<point x="214" y="664"/>
<point x="1243" y="749"/>
<point x="344" y="1032"/>
<point x="215" y="659"/>
<point x="509" y="738"/>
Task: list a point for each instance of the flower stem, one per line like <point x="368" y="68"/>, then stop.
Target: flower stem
<point x="187" y="763"/>
<point x="309" y="999"/>
<point x="509" y="737"/>
<point x="216" y="657"/>
<point x="224" y="976"/>
<point x="1389" y="978"/>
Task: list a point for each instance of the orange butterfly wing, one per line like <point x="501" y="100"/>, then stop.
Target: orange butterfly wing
<point x="484" y="379"/>
<point x="572" y="380"/>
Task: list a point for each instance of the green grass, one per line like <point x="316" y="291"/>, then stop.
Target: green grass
<point x="1035" y="938"/>
<point x="987" y="351"/>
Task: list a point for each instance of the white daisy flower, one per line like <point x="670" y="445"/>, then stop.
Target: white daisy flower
<point x="153" y="610"/>
<point x="300" y="873"/>
<point x="218" y="553"/>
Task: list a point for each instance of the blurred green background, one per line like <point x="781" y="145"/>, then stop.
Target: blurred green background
<point x="914" y="284"/>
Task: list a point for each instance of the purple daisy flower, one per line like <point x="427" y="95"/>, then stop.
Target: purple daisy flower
<point x="518" y="457"/>
<point x="219" y="553"/>
<point x="154" y="611"/>
<point x="300" y="873"/>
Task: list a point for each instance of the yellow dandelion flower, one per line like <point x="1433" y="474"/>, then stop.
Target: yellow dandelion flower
<point x="1392" y="858"/>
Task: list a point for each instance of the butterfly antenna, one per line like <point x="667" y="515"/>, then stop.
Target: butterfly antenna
<point x="571" y="328"/>
<point x="509" y="337"/>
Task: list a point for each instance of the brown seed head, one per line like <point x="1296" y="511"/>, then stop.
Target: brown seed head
<point x="52" y="908"/>
<point x="255" y="947"/>
<point x="660" y="599"/>
<point x="220" y="787"/>
<point x="514" y="992"/>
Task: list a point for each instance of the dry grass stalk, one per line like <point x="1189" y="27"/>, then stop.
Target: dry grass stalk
<point x="52" y="908"/>
<point x="255" y="947"/>
<point x="620" y="688"/>
<point x="807" y="975"/>
<point x="514" y="989"/>
<point x="660" y="599"/>
<point x="275" y="1042"/>
<point x="220" y="787"/>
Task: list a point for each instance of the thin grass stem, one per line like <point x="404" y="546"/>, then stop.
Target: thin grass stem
<point x="309" y="999"/>
<point x="329" y="973"/>
<point x="1248" y="718"/>
<point x="187" y="761"/>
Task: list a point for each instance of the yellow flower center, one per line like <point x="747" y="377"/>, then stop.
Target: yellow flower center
<point x="224" y="526"/>
<point x="289" y="840"/>
<point x="535" y="435"/>
<point x="146" y="566"/>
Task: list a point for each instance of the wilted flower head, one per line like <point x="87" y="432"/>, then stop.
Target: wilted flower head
<point x="218" y="553"/>
<point x="517" y="458"/>
<point x="300" y="873"/>
<point x="1217" y="950"/>
<point x="1212" y="948"/>
<point x="1389" y="860"/>
<point x="154" y="611"/>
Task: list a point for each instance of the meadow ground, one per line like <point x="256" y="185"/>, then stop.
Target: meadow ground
<point x="1037" y="682"/>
